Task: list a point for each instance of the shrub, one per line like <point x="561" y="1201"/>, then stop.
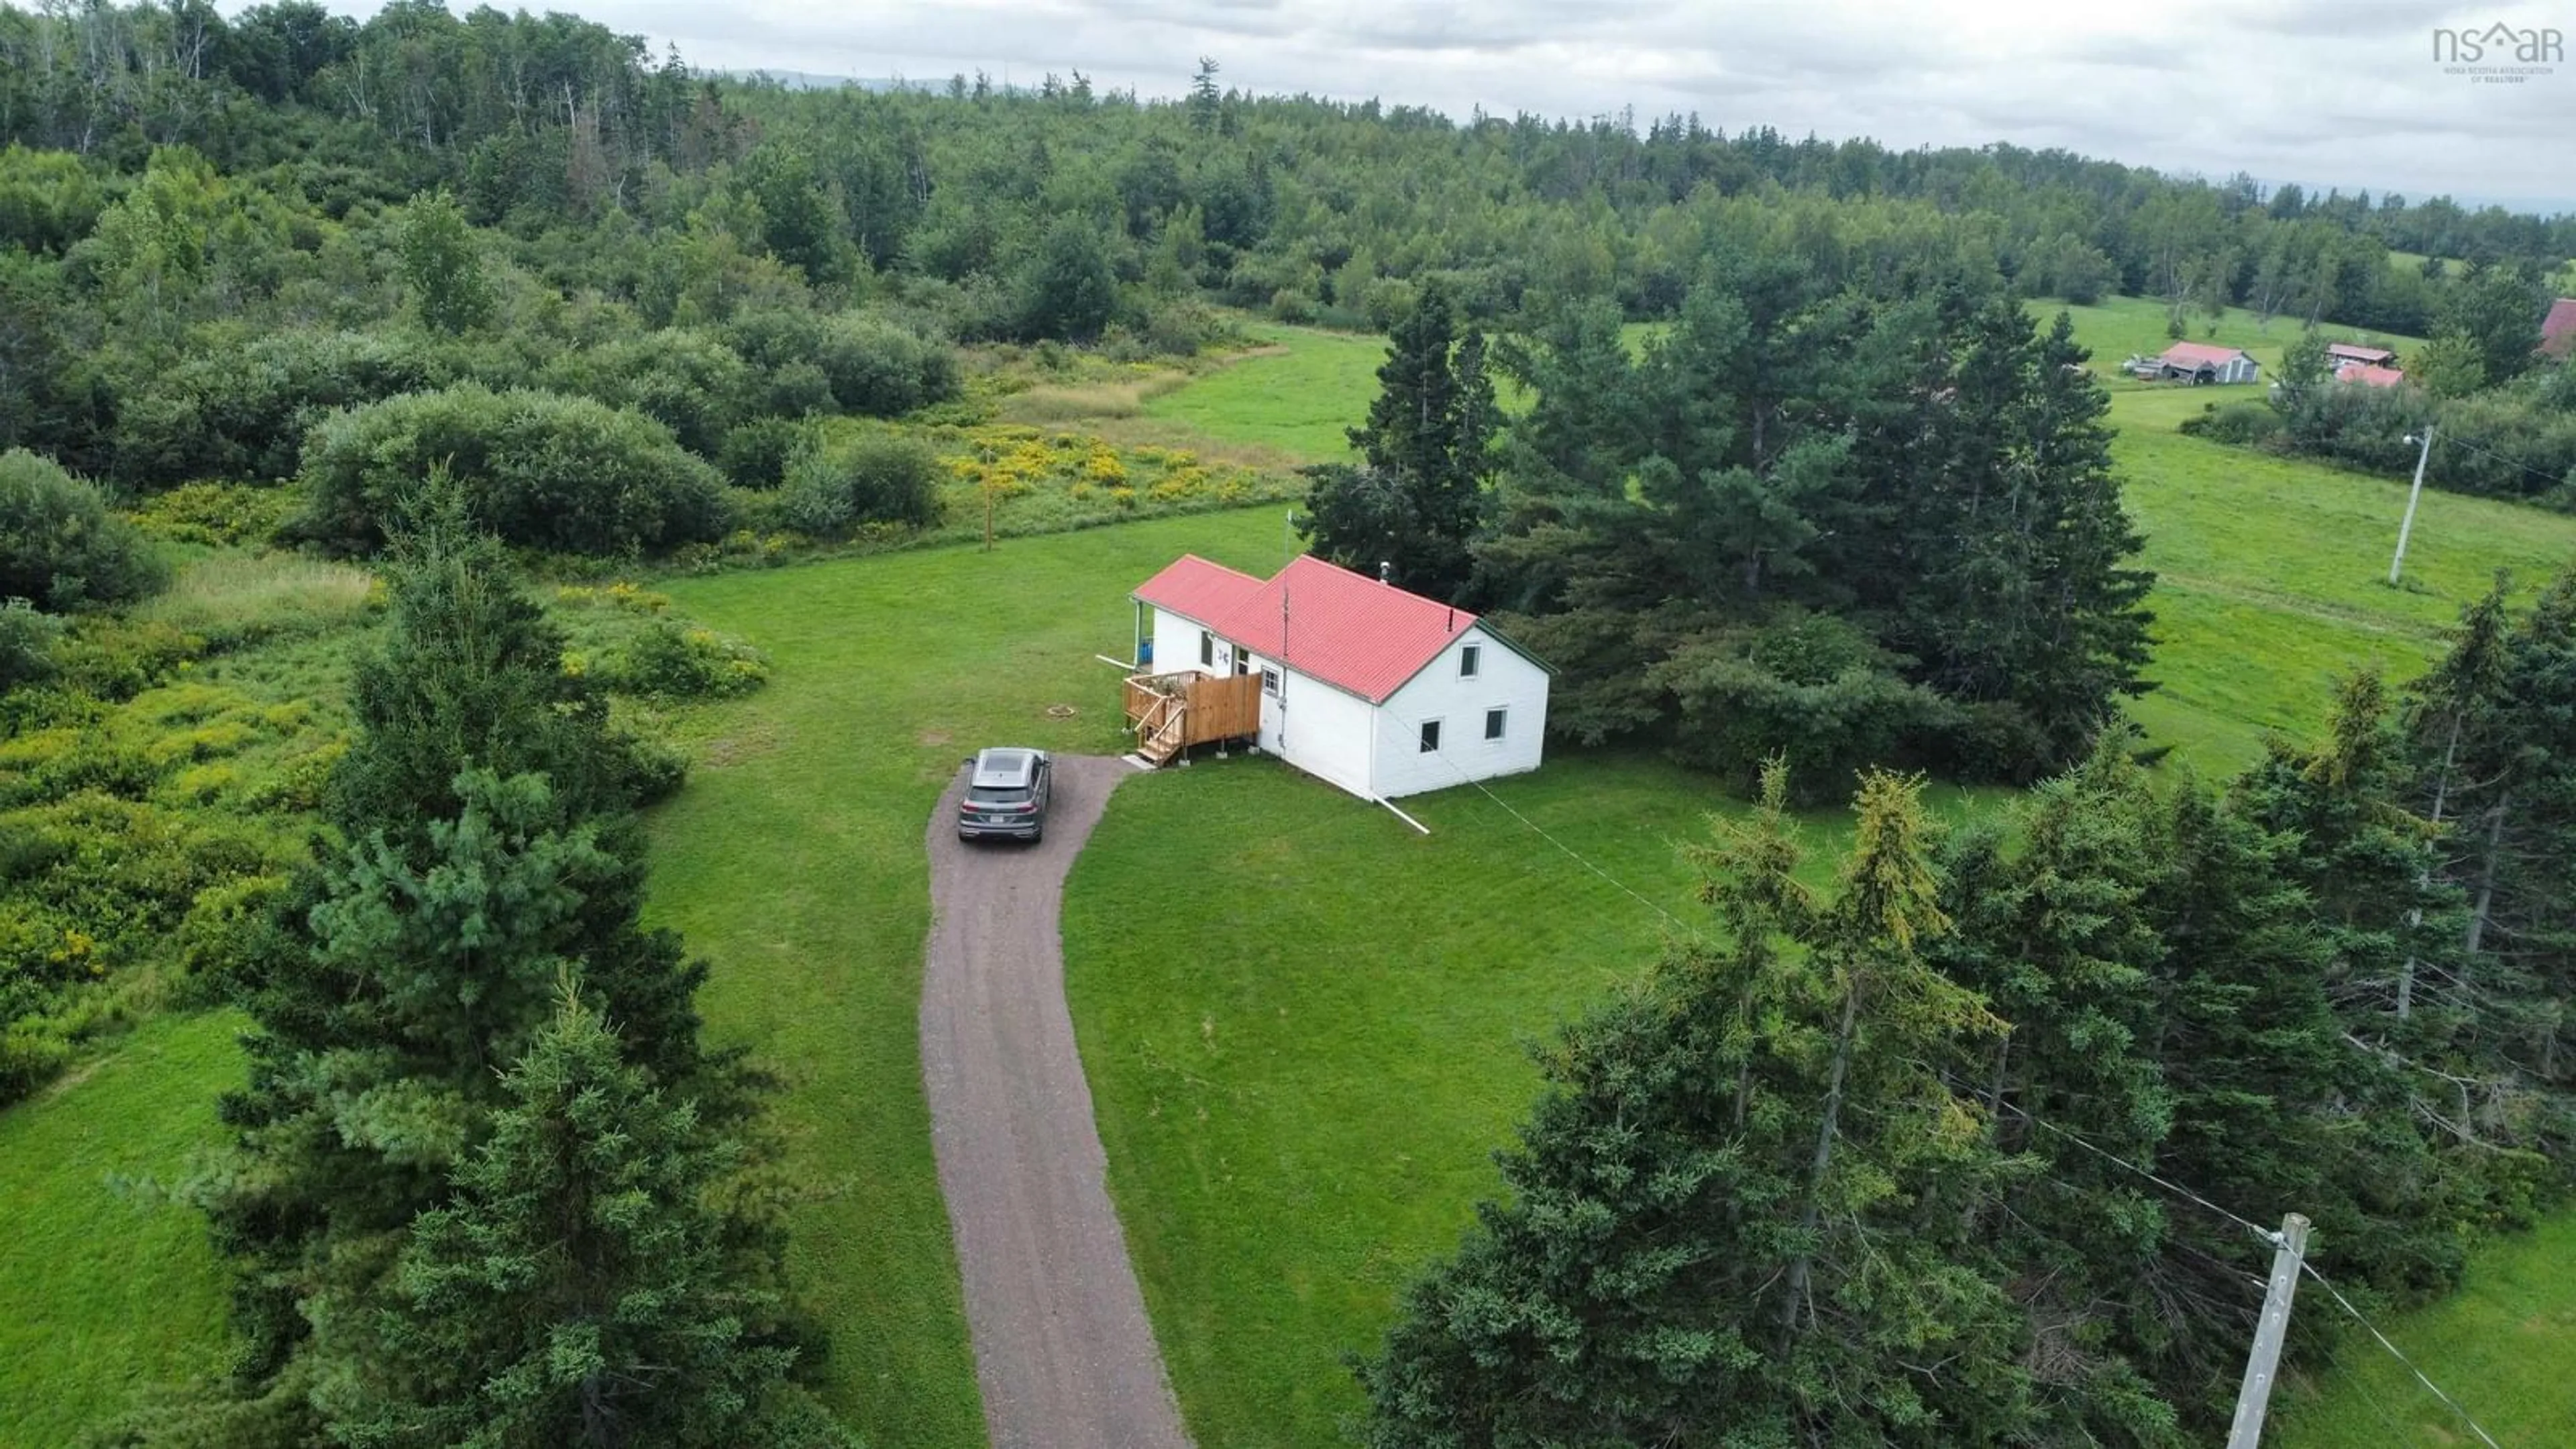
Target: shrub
<point x="60" y="547"/>
<point x="2241" y="423"/>
<point x="756" y="454"/>
<point x="116" y="658"/>
<point x="1810" y="687"/>
<point x="834" y="490"/>
<point x="687" y="380"/>
<point x="872" y="366"/>
<point x="669" y="660"/>
<point x="217" y="514"/>
<point x="26" y="644"/>
<point x="655" y="771"/>
<point x="243" y="410"/>
<point x="541" y="470"/>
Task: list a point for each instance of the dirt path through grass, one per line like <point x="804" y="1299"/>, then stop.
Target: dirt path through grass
<point x="1063" y="1351"/>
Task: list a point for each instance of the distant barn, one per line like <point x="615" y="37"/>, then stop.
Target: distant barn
<point x="2360" y="355"/>
<point x="2198" y="362"/>
<point x="2558" y="330"/>
<point x="2369" y="376"/>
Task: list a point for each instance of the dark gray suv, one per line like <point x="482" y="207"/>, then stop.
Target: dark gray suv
<point x="1006" y="795"/>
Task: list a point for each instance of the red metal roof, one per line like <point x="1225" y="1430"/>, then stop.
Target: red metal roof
<point x="1204" y="591"/>
<point x="2558" y="329"/>
<point x="2356" y="352"/>
<point x="1324" y="621"/>
<point x="2192" y="354"/>
<point x="2369" y="376"/>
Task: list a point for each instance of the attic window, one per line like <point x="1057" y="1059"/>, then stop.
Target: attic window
<point x="1469" y="657"/>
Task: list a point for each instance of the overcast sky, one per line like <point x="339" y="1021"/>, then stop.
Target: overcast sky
<point x="2323" y="92"/>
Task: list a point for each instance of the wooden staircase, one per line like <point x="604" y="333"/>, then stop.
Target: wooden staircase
<point x="1163" y="730"/>
<point x="1168" y="713"/>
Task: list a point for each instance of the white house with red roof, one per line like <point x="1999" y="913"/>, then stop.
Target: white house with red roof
<point x="1380" y="691"/>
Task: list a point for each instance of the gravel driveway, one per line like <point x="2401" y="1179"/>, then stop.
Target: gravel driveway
<point x="1063" y="1351"/>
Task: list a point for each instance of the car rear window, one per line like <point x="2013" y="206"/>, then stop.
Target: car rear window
<point x="997" y="795"/>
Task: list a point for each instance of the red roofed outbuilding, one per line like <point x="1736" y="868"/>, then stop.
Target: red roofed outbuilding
<point x="2200" y="362"/>
<point x="2558" y="330"/>
<point x="1373" y="688"/>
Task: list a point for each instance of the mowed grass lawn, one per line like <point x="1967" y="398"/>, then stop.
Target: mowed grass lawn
<point x="109" y="1290"/>
<point x="1305" y="1027"/>
<point x="2499" y="1346"/>
<point x="793" y="861"/>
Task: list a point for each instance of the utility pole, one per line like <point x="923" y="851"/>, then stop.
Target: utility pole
<point x="2412" y="494"/>
<point x="2289" y="1249"/>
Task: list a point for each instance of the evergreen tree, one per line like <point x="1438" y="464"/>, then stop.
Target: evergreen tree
<point x="412" y="961"/>
<point x="2024" y="596"/>
<point x="1734" y="1217"/>
<point x="2058" y="937"/>
<point x="1420" y="496"/>
<point x="581" y="1287"/>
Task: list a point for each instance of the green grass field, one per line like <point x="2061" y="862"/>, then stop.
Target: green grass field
<point x="111" y="1289"/>
<point x="2499" y="1346"/>
<point x="1293" y="394"/>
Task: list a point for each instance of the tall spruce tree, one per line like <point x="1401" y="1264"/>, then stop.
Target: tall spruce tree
<point x="1419" y="497"/>
<point x="1735" y="1216"/>
<point x="486" y="845"/>
<point x="581" y="1286"/>
<point x="2056" y="933"/>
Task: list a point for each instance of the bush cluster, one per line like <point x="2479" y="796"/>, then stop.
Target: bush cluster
<point x="539" y="469"/>
<point x="60" y="547"/>
<point x="834" y="490"/>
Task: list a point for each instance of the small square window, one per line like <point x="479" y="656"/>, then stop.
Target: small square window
<point x="1207" y="649"/>
<point x="1430" y="735"/>
<point x="1494" y="724"/>
<point x="1469" y="657"/>
<point x="1270" y="682"/>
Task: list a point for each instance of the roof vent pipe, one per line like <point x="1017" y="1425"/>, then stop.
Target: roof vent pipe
<point x="1385" y="572"/>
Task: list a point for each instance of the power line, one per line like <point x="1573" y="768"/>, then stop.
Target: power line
<point x="2460" y="442"/>
<point x="2270" y="1237"/>
<point x="2397" y="1429"/>
<point x="1570" y="851"/>
<point x="2393" y="1352"/>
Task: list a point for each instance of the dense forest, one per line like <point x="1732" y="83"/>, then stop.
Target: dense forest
<point x="433" y="305"/>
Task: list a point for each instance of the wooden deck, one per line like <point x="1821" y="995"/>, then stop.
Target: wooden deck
<point x="1168" y="713"/>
